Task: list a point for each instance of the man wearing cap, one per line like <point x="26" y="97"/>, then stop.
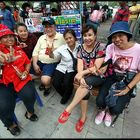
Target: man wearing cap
<point x="42" y="63"/>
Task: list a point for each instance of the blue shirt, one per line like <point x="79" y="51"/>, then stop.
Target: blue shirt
<point x="8" y="19"/>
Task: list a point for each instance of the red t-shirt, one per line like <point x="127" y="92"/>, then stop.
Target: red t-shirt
<point x="9" y="73"/>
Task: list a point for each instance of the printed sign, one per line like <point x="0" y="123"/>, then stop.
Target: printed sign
<point x="62" y="22"/>
<point x="34" y="24"/>
<point x="68" y="21"/>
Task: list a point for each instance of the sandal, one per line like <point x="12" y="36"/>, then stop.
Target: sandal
<point x="14" y="130"/>
<point x="79" y="125"/>
<point x="32" y="118"/>
<point x="64" y="117"/>
<point x="41" y="87"/>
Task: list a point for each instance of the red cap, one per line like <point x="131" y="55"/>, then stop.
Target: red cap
<point x="4" y="30"/>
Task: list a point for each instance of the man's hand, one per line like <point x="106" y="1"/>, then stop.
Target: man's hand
<point x="37" y="68"/>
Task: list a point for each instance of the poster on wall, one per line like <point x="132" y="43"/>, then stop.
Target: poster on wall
<point x="34" y="24"/>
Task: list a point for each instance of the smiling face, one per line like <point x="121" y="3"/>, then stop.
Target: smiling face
<point x="89" y="38"/>
<point x="22" y="32"/>
<point x="120" y="40"/>
<point x="7" y="40"/>
<point x="70" y="39"/>
<point x="50" y="30"/>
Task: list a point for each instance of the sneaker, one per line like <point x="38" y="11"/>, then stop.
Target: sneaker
<point x="46" y="92"/>
<point x="108" y="119"/>
<point x="100" y="117"/>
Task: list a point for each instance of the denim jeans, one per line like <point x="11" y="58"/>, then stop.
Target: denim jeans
<point x="103" y="92"/>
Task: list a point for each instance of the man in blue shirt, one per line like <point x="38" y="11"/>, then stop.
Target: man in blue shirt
<point x="6" y="17"/>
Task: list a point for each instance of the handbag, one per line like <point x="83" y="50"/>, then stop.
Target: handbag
<point x="74" y="61"/>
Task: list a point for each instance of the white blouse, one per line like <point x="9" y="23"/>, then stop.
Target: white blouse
<point x="66" y="62"/>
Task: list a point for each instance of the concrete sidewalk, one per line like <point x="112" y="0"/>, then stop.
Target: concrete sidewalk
<point x="127" y="125"/>
<point x="48" y="127"/>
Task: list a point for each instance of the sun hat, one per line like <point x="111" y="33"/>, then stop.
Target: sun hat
<point x="48" y="21"/>
<point x="4" y="30"/>
<point x="120" y="26"/>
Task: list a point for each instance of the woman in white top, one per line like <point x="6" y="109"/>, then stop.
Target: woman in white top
<point x="64" y="73"/>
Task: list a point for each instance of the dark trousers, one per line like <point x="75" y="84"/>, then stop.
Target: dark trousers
<point x="63" y="83"/>
<point x="93" y="81"/>
<point x="8" y="101"/>
<point x="121" y="101"/>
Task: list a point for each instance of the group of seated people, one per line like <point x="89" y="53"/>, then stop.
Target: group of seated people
<point x="59" y="60"/>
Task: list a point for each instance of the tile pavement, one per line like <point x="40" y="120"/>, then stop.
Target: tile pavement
<point x="48" y="127"/>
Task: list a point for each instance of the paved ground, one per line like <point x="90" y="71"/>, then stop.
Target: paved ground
<point x="127" y="125"/>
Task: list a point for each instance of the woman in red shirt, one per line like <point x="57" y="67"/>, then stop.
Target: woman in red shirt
<point x="15" y="81"/>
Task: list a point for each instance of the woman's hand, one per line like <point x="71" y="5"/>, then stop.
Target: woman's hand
<point x="83" y="83"/>
<point x="23" y="45"/>
<point x="78" y="77"/>
<point x="24" y="75"/>
<point x="121" y="92"/>
<point x="8" y="58"/>
<point x="3" y="57"/>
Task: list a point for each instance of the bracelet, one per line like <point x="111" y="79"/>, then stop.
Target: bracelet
<point x="128" y="87"/>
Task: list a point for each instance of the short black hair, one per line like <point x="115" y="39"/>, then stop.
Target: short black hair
<point x="24" y="5"/>
<point x="71" y="31"/>
<point x="87" y="27"/>
<point x="20" y="24"/>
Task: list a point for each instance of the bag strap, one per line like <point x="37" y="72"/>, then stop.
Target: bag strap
<point x="71" y="54"/>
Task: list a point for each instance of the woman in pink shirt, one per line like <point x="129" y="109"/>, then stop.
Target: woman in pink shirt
<point x="124" y="54"/>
